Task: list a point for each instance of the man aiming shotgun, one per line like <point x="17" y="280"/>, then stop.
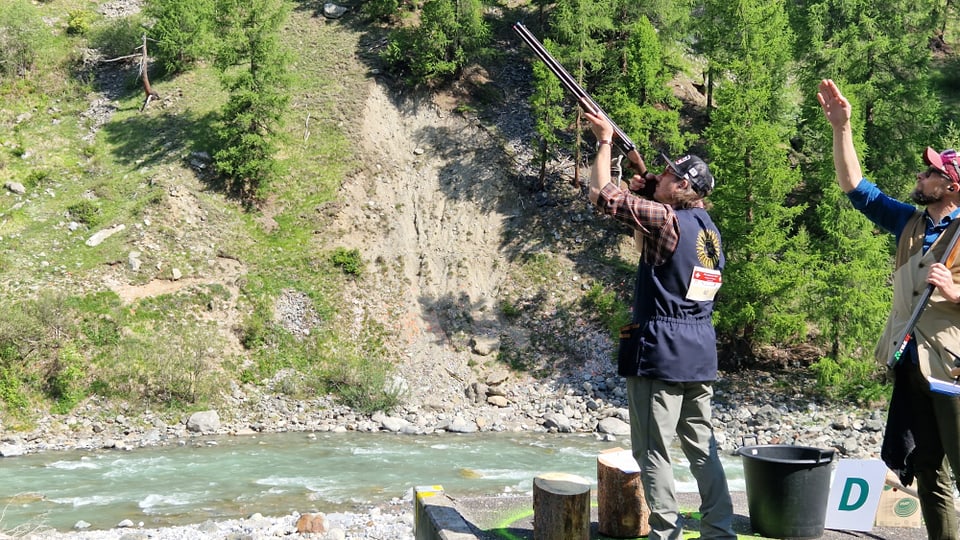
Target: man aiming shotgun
<point x="668" y="354"/>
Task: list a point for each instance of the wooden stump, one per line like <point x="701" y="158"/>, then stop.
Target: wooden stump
<point x="561" y="507"/>
<point x="621" y="507"/>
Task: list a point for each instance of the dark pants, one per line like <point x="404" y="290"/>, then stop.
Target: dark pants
<point x="936" y="431"/>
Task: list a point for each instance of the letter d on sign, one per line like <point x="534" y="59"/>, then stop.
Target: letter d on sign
<point x="855" y="494"/>
<point x="845" y="503"/>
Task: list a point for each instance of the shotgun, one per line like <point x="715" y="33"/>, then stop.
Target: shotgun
<point x="907" y="335"/>
<point x="623" y="142"/>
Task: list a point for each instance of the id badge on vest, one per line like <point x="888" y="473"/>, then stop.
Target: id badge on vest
<point x="704" y="284"/>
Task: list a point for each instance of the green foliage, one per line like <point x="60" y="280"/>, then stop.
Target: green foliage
<point x="22" y="37"/>
<point x="79" y="22"/>
<point x="35" y="352"/>
<point x="767" y="279"/>
<point x="182" y="32"/>
<point x="355" y="369"/>
<point x="611" y="310"/>
<point x="347" y="260"/>
<point x="12" y="393"/>
<point x="380" y="9"/>
<point x="36" y="178"/>
<point x="258" y="329"/>
<point x="174" y="365"/>
<point x="546" y="104"/>
<point x="447" y="38"/>
<point x="538" y="269"/>
<point x="847" y="305"/>
<point x="851" y="380"/>
<point x="509" y="309"/>
<point x="878" y="51"/>
<point x="65" y="380"/>
<point x="85" y="211"/>
<point x="118" y="37"/>
<point x="248" y="130"/>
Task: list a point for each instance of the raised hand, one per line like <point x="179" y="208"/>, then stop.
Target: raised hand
<point x="835" y="107"/>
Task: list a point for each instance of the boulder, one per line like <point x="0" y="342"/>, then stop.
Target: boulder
<point x="204" y="422"/>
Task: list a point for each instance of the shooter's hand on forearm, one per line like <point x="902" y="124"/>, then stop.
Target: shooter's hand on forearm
<point x="602" y="129"/>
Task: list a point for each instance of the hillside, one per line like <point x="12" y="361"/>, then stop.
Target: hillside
<point x="470" y="269"/>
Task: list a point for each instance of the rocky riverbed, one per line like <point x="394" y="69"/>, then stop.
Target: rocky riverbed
<point x="750" y="408"/>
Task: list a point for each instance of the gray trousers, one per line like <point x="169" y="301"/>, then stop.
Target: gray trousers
<point x="659" y="411"/>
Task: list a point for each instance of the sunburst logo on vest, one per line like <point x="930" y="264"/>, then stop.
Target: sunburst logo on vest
<point x="708" y="248"/>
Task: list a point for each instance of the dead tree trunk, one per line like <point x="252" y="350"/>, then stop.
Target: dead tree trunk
<point x="148" y="92"/>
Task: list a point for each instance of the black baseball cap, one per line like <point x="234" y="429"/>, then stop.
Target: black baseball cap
<point x="694" y="170"/>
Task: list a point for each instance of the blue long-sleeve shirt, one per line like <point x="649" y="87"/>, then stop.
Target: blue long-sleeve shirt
<point x="891" y="215"/>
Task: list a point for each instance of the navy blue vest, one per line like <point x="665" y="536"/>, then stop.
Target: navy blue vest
<point x="677" y="339"/>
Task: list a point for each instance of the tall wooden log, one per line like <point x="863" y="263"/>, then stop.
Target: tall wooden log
<point x="561" y="507"/>
<point x="622" y="509"/>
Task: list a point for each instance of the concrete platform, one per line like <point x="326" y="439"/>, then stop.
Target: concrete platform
<point x="510" y="517"/>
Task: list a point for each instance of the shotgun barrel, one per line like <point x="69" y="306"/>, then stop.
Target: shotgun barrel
<point x="621" y="139"/>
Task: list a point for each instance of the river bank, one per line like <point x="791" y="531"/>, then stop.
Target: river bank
<point x="753" y="408"/>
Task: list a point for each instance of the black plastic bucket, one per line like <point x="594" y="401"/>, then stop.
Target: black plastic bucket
<point x="787" y="489"/>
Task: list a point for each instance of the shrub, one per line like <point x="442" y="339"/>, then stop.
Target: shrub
<point x="79" y="22"/>
<point x="118" y="37"/>
<point x="850" y="379"/>
<point x="347" y="260"/>
<point x="22" y="36"/>
<point x="183" y="32"/>
<point x="85" y="212"/>
<point x="612" y="312"/>
<point x="65" y="381"/>
<point x="380" y="9"/>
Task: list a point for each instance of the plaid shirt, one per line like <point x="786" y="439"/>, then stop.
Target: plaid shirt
<point x="656" y="222"/>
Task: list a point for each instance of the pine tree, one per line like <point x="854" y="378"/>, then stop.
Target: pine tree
<point x="576" y="25"/>
<point x="767" y="274"/>
<point x="877" y="52"/>
<point x="637" y="92"/>
<point x="182" y="31"/>
<point x="549" y="115"/>
<point x="253" y="64"/>
<point x="881" y="48"/>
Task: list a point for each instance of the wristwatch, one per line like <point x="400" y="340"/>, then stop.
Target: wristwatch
<point x="602" y="142"/>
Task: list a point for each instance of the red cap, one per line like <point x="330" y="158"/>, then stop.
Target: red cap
<point x="945" y="162"/>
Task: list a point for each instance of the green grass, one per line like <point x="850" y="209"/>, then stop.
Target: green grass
<point x="136" y="172"/>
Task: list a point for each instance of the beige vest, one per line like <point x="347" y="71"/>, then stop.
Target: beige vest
<point x="938" y="328"/>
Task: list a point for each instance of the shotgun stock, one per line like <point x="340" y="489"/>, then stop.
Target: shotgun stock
<point x="623" y="142"/>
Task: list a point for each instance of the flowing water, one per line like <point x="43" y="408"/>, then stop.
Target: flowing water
<point x="276" y="474"/>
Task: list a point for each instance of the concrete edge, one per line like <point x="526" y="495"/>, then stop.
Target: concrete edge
<point x="435" y="517"/>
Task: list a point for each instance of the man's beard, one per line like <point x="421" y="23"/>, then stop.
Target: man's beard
<point x="920" y="198"/>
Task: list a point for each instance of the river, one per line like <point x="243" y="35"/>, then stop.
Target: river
<point x="276" y="474"/>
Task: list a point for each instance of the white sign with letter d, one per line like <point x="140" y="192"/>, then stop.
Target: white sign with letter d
<point x="855" y="494"/>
